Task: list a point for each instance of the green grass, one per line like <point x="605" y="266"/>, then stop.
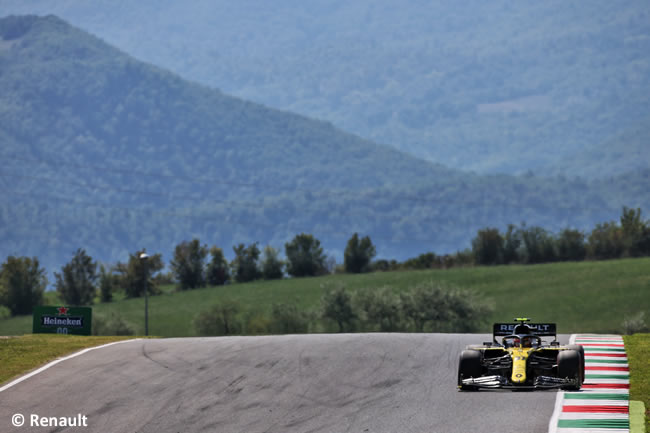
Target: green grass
<point x="638" y="354"/>
<point x="579" y="297"/>
<point x="18" y="355"/>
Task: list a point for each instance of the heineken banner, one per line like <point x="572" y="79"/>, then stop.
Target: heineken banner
<point x="62" y="320"/>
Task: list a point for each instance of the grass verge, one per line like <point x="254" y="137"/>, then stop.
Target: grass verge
<point x="19" y="355"/>
<point x="637" y="347"/>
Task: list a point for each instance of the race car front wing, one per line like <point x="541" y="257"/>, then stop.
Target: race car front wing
<point x="497" y="381"/>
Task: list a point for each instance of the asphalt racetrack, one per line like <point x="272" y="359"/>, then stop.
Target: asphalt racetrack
<point x="299" y="383"/>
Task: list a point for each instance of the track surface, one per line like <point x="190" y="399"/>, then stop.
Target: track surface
<point x="307" y="383"/>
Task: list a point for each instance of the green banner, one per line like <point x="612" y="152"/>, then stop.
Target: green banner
<point x="62" y="320"/>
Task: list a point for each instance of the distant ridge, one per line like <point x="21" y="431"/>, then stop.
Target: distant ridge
<point x="110" y="154"/>
<point x="494" y="87"/>
<point x="96" y="103"/>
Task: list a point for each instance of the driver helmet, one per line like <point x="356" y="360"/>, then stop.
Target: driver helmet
<point x="516" y="342"/>
<point x="527" y="342"/>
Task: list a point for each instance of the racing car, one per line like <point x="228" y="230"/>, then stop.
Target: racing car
<point x="522" y="360"/>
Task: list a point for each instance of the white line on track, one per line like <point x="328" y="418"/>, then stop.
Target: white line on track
<point x="53" y="363"/>
<point x="559" y="399"/>
<point x="552" y="425"/>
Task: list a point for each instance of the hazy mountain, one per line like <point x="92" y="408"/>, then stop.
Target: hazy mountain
<point x="110" y="154"/>
<point x="495" y="86"/>
<point x="67" y="93"/>
<point x="627" y="151"/>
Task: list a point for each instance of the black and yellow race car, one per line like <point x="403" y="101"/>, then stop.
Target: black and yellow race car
<point x="522" y="359"/>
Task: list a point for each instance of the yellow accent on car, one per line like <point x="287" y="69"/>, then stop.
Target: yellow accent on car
<point x="519" y="357"/>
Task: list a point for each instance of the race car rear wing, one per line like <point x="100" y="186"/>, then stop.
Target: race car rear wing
<point x="539" y="329"/>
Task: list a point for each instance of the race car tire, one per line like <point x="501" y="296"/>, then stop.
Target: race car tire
<point x="469" y="365"/>
<point x="580" y="350"/>
<point x="569" y="365"/>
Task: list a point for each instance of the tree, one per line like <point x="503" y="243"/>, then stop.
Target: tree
<point x="132" y="274"/>
<point x="424" y="261"/>
<point x="606" y="241"/>
<point x="571" y="245"/>
<point x="188" y="264"/>
<point x="539" y="245"/>
<point x="634" y="232"/>
<point x="107" y="283"/>
<point x="271" y="264"/>
<point x="3" y="294"/>
<point x="337" y="306"/>
<point x="383" y="265"/>
<point x="644" y="241"/>
<point x="358" y="254"/>
<point x="76" y="282"/>
<point x="22" y="283"/>
<point x="487" y="247"/>
<point x="217" y="272"/>
<point x="244" y="265"/>
<point x="305" y="256"/>
<point x="511" y="245"/>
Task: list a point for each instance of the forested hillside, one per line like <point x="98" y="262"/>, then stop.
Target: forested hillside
<point x="110" y="154"/>
<point x="626" y="152"/>
<point x="499" y="86"/>
<point x="67" y="94"/>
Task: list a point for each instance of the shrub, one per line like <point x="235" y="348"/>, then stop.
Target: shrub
<point x="423" y="261"/>
<point x="164" y="279"/>
<point x="288" y="319"/>
<point x="635" y="324"/>
<point x="436" y="308"/>
<point x="383" y="265"/>
<point x="336" y="305"/>
<point x="257" y="324"/>
<point x="427" y="307"/>
<point x="220" y="319"/>
<point x="111" y="325"/>
<point x="380" y="310"/>
<point x="466" y="311"/>
<point x="461" y="258"/>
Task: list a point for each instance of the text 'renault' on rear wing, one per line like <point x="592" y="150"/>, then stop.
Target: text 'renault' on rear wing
<point x="539" y="329"/>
